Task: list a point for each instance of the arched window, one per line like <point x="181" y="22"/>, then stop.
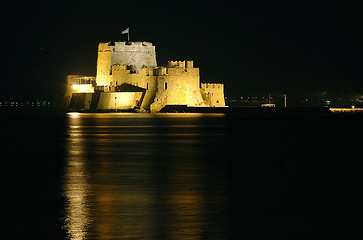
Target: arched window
<point x="165" y="85"/>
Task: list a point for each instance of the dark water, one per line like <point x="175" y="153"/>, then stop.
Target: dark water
<point x="181" y="176"/>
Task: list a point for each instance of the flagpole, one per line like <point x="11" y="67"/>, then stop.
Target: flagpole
<point x="127" y="30"/>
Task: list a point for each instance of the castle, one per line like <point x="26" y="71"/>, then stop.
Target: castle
<point x="128" y="78"/>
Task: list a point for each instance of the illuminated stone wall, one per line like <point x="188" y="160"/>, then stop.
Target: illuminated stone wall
<point x="119" y="100"/>
<point x="77" y="84"/>
<point x="177" y="85"/>
<point x="214" y="94"/>
<point x="139" y="54"/>
<point x="122" y="74"/>
<point x="129" y="72"/>
<point x="103" y="64"/>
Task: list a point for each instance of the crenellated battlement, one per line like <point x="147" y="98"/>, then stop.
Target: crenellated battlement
<point x="133" y="46"/>
<point x="127" y="72"/>
<point x="180" y="64"/>
<point x="176" y="64"/>
<point x="146" y="44"/>
<point x="214" y="93"/>
<point x="212" y="85"/>
<point x="177" y="68"/>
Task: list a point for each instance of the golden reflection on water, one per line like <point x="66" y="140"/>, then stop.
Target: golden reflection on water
<point x="114" y="193"/>
<point x="76" y="186"/>
<point x="186" y="210"/>
<point x="185" y="206"/>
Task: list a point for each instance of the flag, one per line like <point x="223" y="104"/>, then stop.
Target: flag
<point x="126" y="31"/>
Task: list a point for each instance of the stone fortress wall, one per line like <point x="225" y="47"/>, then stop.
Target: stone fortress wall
<point x="78" y="84"/>
<point x="144" y="80"/>
<point x="128" y="77"/>
<point x="103" y="64"/>
<point x="139" y="54"/>
<point x="177" y="84"/>
<point x="214" y="93"/>
<point x="119" y="100"/>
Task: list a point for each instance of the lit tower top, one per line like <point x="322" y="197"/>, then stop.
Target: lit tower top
<point x="140" y="54"/>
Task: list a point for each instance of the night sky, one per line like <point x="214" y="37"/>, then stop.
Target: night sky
<point x="294" y="47"/>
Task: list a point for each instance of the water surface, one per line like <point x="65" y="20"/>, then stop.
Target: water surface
<point x="143" y="176"/>
<point x="181" y="176"/>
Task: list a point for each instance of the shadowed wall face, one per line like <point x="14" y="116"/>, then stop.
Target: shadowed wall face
<point x="119" y="100"/>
